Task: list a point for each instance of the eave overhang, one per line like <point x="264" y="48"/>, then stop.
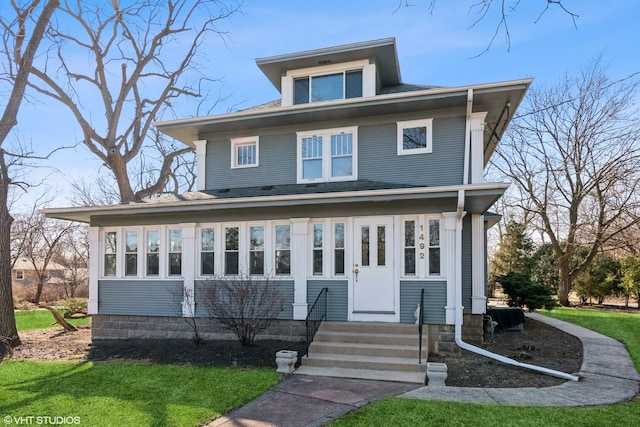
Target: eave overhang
<point x="478" y="198"/>
<point x="499" y="100"/>
<point x="382" y="52"/>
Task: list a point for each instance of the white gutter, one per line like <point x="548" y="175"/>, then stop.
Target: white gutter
<point x="458" y="308"/>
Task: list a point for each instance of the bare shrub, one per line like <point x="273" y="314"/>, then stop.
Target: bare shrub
<point x="246" y="305"/>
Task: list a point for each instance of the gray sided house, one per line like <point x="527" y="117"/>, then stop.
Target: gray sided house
<point x="353" y="181"/>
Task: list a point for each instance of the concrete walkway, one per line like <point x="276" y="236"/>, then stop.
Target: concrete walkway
<point x="607" y="376"/>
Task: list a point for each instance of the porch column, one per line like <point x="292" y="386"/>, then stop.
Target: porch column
<point x="299" y="266"/>
<point x="450" y="261"/>
<point x="94" y="269"/>
<point x="188" y="269"/>
<point x="201" y="164"/>
<point x="478" y="297"/>
<point x="477" y="147"/>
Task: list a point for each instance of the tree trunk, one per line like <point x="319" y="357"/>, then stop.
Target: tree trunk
<point x="564" y="281"/>
<point x="8" y="327"/>
<point x="39" y="286"/>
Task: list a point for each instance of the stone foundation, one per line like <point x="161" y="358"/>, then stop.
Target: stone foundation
<point x="108" y="326"/>
<point x="442" y="339"/>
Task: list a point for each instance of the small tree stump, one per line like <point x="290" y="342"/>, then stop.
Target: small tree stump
<point x="59" y="319"/>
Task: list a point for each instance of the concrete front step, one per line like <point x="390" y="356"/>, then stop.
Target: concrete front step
<point x="384" y="350"/>
<point x="364" y="374"/>
<point x="364" y="362"/>
<point x="367" y="338"/>
<point x="370" y="327"/>
<point x="370" y="350"/>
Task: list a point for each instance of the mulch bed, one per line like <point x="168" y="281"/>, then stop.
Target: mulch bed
<point x="538" y="344"/>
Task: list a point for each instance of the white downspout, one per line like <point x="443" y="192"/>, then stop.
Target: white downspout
<point x="458" y="308"/>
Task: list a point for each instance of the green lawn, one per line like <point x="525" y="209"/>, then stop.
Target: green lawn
<point x="41" y="319"/>
<point x="404" y="412"/>
<point x="127" y="394"/>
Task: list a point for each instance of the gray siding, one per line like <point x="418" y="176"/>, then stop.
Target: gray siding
<point x="276" y="164"/>
<point x="378" y="159"/>
<point x="140" y="297"/>
<point x="467" y="272"/>
<point x="435" y="299"/>
<point x="377" y="154"/>
<point x="337" y="298"/>
<point x="287" y="288"/>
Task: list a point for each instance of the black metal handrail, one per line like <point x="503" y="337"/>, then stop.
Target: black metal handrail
<point x="420" y="322"/>
<point x="316" y="314"/>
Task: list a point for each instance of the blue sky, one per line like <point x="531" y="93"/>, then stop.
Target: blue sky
<point x="441" y="48"/>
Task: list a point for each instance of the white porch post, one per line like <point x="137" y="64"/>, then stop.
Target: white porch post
<point x="477" y="147"/>
<point x="94" y="269"/>
<point x="299" y="264"/>
<point x="188" y="269"/>
<point x="450" y="261"/>
<point x="201" y="164"/>
<point x="478" y="297"/>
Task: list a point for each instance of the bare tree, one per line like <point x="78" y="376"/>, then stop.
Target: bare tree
<point x="245" y="304"/>
<point x="498" y="11"/>
<point x="72" y="252"/>
<point x="143" y="56"/>
<point x="23" y="28"/>
<point x="40" y="237"/>
<point x="574" y="155"/>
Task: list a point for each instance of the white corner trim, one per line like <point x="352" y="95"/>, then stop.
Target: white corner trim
<point x="201" y="166"/>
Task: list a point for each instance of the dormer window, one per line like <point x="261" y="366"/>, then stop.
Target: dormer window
<point x="332" y="82"/>
<point x="329" y="87"/>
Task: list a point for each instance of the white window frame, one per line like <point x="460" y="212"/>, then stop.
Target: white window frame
<point x="401" y="126"/>
<point x="215" y="251"/>
<point x="326" y="154"/>
<point x="246" y="141"/>
<point x="169" y="251"/>
<point x="19" y="274"/>
<point x="103" y="253"/>
<point x="368" y="79"/>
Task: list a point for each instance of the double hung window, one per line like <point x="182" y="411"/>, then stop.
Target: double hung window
<point x="153" y="252"/>
<point x="244" y="152"/>
<point x="327" y="155"/>
<point x="256" y="250"/>
<point x="175" y="252"/>
<point x="110" y="253"/>
<point x="317" y="249"/>
<point x="283" y="250"/>
<point x="207" y="251"/>
<point x="231" y="251"/>
<point x="131" y="253"/>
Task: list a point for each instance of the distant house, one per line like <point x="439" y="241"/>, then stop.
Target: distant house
<point x="24" y="278"/>
<point x="353" y="181"/>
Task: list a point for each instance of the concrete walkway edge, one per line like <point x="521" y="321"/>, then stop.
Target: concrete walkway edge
<point x="607" y="376"/>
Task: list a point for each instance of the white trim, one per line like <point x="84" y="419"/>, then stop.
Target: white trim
<point x="189" y="268"/>
<point x="245" y="141"/>
<point x="95" y="254"/>
<point x="448" y="242"/>
<point x="326" y="135"/>
<point x="299" y="256"/>
<point x="201" y="164"/>
<point x="478" y="298"/>
<point x="477" y="147"/>
<point x="401" y="126"/>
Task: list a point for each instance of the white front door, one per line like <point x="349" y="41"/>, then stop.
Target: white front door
<point x="373" y="274"/>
